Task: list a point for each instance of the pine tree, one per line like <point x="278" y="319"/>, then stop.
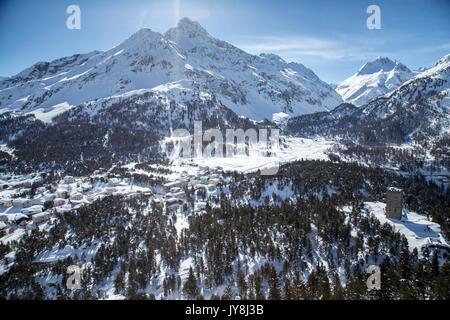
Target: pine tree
<point x="287" y="290"/>
<point x="274" y="291"/>
<point x="338" y="292"/>
<point x="441" y="284"/>
<point x="435" y="264"/>
<point x="119" y="282"/>
<point x="190" y="288"/>
<point x="404" y="264"/>
<point x="241" y="284"/>
<point x="227" y="293"/>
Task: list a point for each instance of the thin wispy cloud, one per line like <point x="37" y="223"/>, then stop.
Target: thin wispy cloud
<point x="439" y="47"/>
<point x="445" y="46"/>
<point x="298" y="47"/>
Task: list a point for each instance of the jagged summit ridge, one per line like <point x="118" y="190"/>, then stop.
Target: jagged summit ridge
<point x="382" y="64"/>
<point x="252" y="86"/>
<point x="188" y="27"/>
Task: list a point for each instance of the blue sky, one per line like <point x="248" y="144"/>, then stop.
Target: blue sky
<point x="330" y="37"/>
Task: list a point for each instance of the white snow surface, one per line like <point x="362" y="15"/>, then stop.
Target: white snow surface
<point x="415" y="227"/>
<point x="47" y="115"/>
<point x="294" y="149"/>
<point x="374" y="79"/>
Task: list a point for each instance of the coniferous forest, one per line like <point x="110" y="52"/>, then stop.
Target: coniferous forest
<point x="248" y="243"/>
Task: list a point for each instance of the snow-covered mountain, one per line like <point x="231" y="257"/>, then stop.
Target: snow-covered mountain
<point x="416" y="111"/>
<point x="373" y="80"/>
<point x="253" y="86"/>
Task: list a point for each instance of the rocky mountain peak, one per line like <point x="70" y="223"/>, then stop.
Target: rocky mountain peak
<point x="381" y="64"/>
<point x="187" y="27"/>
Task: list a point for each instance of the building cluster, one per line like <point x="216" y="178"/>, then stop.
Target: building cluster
<point x="25" y="206"/>
<point x="201" y="185"/>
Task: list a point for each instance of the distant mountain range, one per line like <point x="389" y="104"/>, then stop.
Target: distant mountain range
<point x="418" y="110"/>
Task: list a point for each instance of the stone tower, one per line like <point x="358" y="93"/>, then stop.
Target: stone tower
<point x="394" y="203"/>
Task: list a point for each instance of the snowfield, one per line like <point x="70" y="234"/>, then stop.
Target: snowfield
<point x="415" y="227"/>
<point x="47" y="115"/>
<point x="294" y="149"/>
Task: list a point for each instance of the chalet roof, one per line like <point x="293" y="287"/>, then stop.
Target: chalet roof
<point x="394" y="189"/>
<point x="42" y="214"/>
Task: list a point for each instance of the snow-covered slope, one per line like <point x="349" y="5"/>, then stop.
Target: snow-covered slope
<point x="253" y="86"/>
<point x="419" y="231"/>
<point x="416" y="111"/>
<point x="374" y="79"/>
